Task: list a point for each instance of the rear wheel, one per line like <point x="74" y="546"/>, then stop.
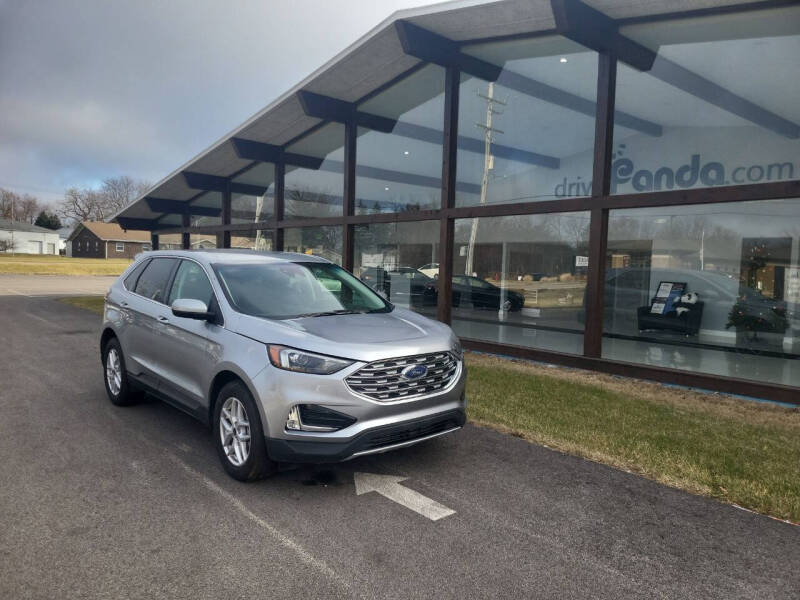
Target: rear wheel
<point x="239" y="435"/>
<point x="118" y="387"/>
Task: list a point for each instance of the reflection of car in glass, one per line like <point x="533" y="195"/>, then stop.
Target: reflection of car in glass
<point x="482" y="294"/>
<point x="431" y="270"/>
<point x="405" y="286"/>
<point x="628" y="289"/>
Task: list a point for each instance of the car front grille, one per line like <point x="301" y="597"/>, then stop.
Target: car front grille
<point x="410" y="433"/>
<point x="383" y="380"/>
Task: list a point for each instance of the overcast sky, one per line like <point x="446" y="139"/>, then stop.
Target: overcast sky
<point x="96" y="88"/>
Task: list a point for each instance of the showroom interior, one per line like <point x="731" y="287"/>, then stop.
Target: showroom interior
<point x="598" y="184"/>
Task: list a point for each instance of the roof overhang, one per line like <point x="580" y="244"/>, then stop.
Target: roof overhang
<point x="374" y="60"/>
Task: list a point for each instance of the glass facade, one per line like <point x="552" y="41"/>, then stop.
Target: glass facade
<point x="725" y="96"/>
<point x="317" y="192"/>
<point x="401" y="171"/>
<point x="714" y="289"/>
<point x="521" y="280"/>
<point x="400" y="261"/>
<point x="248" y="208"/>
<point x="261" y="240"/>
<point x="325" y="241"/>
<point x="700" y="286"/>
<point x="529" y="135"/>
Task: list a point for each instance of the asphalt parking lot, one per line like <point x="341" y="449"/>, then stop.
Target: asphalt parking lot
<point x="98" y="501"/>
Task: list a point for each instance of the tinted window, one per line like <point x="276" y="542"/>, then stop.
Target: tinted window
<point x="191" y="282"/>
<point x="291" y="290"/>
<point x="130" y="280"/>
<point x="154" y="279"/>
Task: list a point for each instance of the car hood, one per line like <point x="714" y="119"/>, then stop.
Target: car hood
<point x="365" y="337"/>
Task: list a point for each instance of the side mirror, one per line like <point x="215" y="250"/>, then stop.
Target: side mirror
<point x="190" y="308"/>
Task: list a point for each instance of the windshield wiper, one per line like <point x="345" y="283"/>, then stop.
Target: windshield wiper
<point x="331" y="313"/>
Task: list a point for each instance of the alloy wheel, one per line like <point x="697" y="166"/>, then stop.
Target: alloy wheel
<point x="234" y="430"/>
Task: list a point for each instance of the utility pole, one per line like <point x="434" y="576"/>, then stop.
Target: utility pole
<point x="488" y="165"/>
<point x="12" y="224"/>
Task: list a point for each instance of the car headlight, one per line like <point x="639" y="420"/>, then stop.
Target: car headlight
<point x="301" y="361"/>
<point x="456" y="349"/>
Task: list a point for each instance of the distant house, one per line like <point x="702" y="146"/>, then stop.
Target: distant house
<point x="24" y="238"/>
<point x="94" y="239"/>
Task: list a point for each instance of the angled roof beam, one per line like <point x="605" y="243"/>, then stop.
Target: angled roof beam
<point x="162" y="205"/>
<point x="138" y="224"/>
<point x="700" y="87"/>
<point x="339" y="111"/>
<point x="250" y="150"/>
<point x="428" y="46"/>
<point x="593" y="29"/>
<point x="215" y="183"/>
<point x="332" y="109"/>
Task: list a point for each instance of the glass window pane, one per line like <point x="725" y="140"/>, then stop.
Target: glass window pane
<point x="153" y="281"/>
<point x="530" y="135"/>
<point x="521" y="280"/>
<point x="253" y="240"/>
<point x="208" y="200"/>
<point x="191" y="283"/>
<point x="724" y="93"/>
<point x="202" y="241"/>
<point x="317" y="192"/>
<point x="247" y="208"/>
<point x="402" y="171"/>
<point x="323" y="241"/>
<point x="398" y="261"/>
<point x="169" y="241"/>
<point x="714" y="289"/>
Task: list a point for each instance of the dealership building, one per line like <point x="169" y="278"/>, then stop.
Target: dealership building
<point x="606" y="184"/>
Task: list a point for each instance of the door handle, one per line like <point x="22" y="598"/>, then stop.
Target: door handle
<point x="163" y="319"/>
<point x="123" y="304"/>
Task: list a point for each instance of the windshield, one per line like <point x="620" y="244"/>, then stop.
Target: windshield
<point x="291" y="290"/>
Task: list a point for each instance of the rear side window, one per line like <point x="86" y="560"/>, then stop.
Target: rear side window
<point x="154" y="279"/>
<point x="130" y="280"/>
<point x="191" y="282"/>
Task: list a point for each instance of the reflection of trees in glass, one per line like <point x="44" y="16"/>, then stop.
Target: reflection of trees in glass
<point x="298" y="202"/>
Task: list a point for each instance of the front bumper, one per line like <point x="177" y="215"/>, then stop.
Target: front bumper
<point x="371" y="441"/>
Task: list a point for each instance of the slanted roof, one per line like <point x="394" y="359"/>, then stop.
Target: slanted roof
<point x="374" y="60"/>
<point x="9" y="225"/>
<point x="111" y="232"/>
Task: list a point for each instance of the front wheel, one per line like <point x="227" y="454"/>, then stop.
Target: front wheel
<point x="239" y="436"/>
<point x="118" y="388"/>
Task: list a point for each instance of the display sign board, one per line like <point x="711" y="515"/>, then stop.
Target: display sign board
<point x="667" y="294"/>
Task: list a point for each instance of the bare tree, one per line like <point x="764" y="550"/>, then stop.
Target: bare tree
<point x="7" y="198"/>
<point x="87" y="204"/>
<point x="7" y="245"/>
<point x="118" y="192"/>
<point x="27" y="209"/>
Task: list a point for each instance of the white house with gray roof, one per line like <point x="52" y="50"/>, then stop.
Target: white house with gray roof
<point x="24" y="238"/>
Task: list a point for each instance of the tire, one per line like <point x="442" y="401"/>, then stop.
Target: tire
<point x="115" y="377"/>
<point x="237" y="402"/>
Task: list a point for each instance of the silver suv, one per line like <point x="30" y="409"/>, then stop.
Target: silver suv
<point x="288" y="357"/>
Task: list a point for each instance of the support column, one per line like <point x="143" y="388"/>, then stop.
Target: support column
<point x="446" y="223"/>
<point x="277" y="236"/>
<point x="224" y="238"/>
<point x="186" y="240"/>
<point x="153" y="240"/>
<point x="601" y="186"/>
<point x="349" y="195"/>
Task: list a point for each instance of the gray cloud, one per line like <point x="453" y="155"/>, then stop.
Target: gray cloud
<point x="96" y="88"/>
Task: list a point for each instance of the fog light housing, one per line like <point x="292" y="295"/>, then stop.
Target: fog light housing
<point x="293" y="420"/>
<point x="312" y="417"/>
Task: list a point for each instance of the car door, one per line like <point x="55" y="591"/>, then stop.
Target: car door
<point x="187" y="347"/>
<point x="146" y="305"/>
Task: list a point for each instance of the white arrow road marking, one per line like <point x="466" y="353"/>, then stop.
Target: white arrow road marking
<point x="389" y="487"/>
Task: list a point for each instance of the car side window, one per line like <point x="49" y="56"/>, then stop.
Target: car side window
<point x="130" y="280"/>
<point x="191" y="282"/>
<point x="154" y="279"/>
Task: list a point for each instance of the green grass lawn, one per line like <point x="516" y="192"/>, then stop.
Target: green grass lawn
<point x="43" y="264"/>
<point x="735" y="450"/>
<point x="92" y="303"/>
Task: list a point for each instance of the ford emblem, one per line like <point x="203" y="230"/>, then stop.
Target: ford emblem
<point x="414" y="371"/>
